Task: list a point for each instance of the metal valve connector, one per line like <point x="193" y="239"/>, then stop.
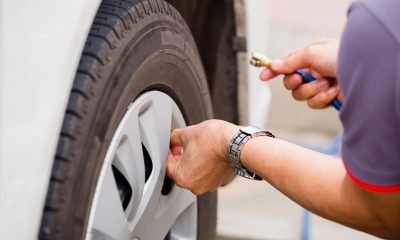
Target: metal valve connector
<point x="259" y="60"/>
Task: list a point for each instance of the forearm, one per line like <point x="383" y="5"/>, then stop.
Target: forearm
<point x="316" y="181"/>
<point x="309" y="178"/>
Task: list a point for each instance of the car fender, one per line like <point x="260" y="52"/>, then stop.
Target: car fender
<point x="40" y="46"/>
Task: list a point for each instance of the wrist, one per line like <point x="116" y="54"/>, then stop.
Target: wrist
<point x="229" y="131"/>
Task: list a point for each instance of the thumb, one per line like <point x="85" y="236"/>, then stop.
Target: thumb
<point x="177" y="137"/>
<point x="298" y="59"/>
<point x="171" y="165"/>
<point x="175" y="153"/>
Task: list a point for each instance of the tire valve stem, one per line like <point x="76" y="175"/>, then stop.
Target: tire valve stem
<point x="259" y="60"/>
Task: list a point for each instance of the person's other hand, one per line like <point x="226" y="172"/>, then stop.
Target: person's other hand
<point x="198" y="158"/>
<point x="319" y="59"/>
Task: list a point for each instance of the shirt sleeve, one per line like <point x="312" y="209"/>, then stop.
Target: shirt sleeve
<point x="368" y="71"/>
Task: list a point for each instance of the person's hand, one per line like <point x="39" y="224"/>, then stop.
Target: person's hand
<point x="319" y="59"/>
<point x="198" y="158"/>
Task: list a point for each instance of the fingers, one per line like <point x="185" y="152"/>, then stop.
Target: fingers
<point x="292" y="81"/>
<point x="174" y="163"/>
<point x="318" y="93"/>
<point x="267" y="74"/>
<point x="309" y="90"/>
<point x="298" y="59"/>
<point x="288" y="64"/>
<point x="177" y="137"/>
<point x="323" y="99"/>
<point x="175" y="153"/>
<point x="176" y="150"/>
<point x="320" y="55"/>
<point x="171" y="165"/>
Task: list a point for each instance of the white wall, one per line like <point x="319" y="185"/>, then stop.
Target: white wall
<point x="257" y="41"/>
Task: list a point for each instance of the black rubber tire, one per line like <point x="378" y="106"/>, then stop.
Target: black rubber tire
<point x="133" y="47"/>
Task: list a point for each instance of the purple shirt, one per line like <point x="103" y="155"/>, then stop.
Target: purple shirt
<point x="369" y="75"/>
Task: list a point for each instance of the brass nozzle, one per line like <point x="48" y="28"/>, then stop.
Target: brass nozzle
<point x="259" y="60"/>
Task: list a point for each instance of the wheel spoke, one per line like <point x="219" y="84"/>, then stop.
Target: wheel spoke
<point x="185" y="227"/>
<point x="129" y="151"/>
<point x="163" y="216"/>
<point x="109" y="218"/>
<point x="155" y="124"/>
<point x="130" y="162"/>
<point x="171" y="208"/>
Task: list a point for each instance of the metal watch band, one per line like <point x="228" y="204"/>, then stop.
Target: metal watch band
<point x="236" y="146"/>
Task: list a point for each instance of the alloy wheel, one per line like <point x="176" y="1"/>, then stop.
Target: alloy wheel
<point x="134" y="199"/>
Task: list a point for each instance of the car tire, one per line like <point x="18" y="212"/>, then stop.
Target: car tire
<point x="134" y="47"/>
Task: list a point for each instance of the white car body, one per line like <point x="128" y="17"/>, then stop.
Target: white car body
<point x="40" y="47"/>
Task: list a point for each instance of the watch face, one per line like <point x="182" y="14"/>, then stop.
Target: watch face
<point x="250" y="130"/>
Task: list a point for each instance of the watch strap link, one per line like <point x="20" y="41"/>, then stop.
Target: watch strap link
<point x="235" y="148"/>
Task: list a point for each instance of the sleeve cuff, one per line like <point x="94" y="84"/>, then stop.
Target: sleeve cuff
<point x="368" y="186"/>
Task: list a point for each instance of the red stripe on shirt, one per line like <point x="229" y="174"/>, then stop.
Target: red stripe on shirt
<point x="369" y="186"/>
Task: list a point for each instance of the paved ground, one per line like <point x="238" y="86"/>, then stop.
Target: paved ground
<point x="254" y="210"/>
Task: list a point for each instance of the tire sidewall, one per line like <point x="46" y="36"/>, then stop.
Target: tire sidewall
<point x="163" y="58"/>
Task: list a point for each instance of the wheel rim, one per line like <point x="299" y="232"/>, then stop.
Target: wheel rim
<point x="133" y="199"/>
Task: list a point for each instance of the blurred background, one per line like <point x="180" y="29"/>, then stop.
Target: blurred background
<point x="255" y="210"/>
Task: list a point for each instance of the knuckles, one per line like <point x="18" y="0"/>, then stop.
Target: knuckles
<point x="182" y="181"/>
<point x="317" y="104"/>
<point x="187" y="182"/>
<point x="312" y="104"/>
<point x="297" y="95"/>
<point x="198" y="192"/>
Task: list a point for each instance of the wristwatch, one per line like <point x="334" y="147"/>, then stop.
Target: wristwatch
<point x="236" y="145"/>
